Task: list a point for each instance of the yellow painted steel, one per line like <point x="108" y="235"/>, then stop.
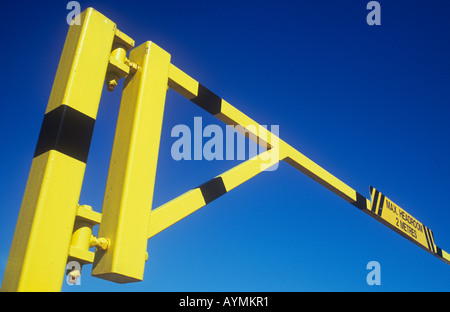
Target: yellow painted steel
<point x="43" y="232"/>
<point x="230" y="115"/>
<point x="41" y="240"/>
<point x="175" y="210"/>
<point x="446" y="256"/>
<point x="317" y="173"/>
<point x="182" y="83"/>
<point x="86" y="53"/>
<point x="52" y="228"/>
<point x="129" y="189"/>
<point x="82" y="237"/>
<point x="119" y="65"/>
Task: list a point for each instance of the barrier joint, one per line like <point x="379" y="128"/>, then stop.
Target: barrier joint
<point x="119" y="65"/>
<point x="82" y="237"/>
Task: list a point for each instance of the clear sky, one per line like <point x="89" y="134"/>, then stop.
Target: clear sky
<point x="368" y="103"/>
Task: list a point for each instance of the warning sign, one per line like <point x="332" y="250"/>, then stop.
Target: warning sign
<point x="401" y="221"/>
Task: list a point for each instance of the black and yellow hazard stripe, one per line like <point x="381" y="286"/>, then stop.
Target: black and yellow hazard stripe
<point x="218" y="107"/>
<point x="66" y="130"/>
<point x="208" y="100"/>
<point x="171" y="212"/>
<point x="213" y="189"/>
<point x="403" y="223"/>
<point x="194" y="91"/>
<point x="433" y="248"/>
<point x="430" y="239"/>
<point x="361" y="202"/>
<point x="377" y="201"/>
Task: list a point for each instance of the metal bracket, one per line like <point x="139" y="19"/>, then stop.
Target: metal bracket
<point x="119" y="66"/>
<point x="82" y="238"/>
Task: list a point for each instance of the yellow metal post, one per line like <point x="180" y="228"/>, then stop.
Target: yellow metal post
<point x="43" y="233"/>
<point x="131" y="177"/>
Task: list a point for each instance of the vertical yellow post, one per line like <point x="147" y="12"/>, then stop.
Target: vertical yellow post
<point x="41" y="241"/>
<point x="131" y="177"/>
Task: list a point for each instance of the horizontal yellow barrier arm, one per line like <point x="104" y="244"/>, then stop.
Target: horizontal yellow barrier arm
<point x="401" y="222"/>
<point x="224" y="111"/>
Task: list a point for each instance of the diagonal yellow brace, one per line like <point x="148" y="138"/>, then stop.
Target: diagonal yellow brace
<point x="189" y="202"/>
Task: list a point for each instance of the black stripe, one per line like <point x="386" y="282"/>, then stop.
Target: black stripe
<point x="66" y="130"/>
<point x="374" y="203"/>
<point x="426" y="236"/>
<point x="361" y="202"/>
<point x="439" y="251"/>
<point x="213" y="189"/>
<point x="208" y="100"/>
<point x="430" y="233"/>
<point x="380" y="209"/>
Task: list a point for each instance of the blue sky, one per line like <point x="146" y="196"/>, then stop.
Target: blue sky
<point x="367" y="103"/>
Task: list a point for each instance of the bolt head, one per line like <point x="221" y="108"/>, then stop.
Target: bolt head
<point x="111" y="84"/>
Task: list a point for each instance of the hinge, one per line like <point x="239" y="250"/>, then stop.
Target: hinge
<point x="119" y="66"/>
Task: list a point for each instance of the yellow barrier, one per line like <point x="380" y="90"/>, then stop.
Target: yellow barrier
<point x="53" y="229"/>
